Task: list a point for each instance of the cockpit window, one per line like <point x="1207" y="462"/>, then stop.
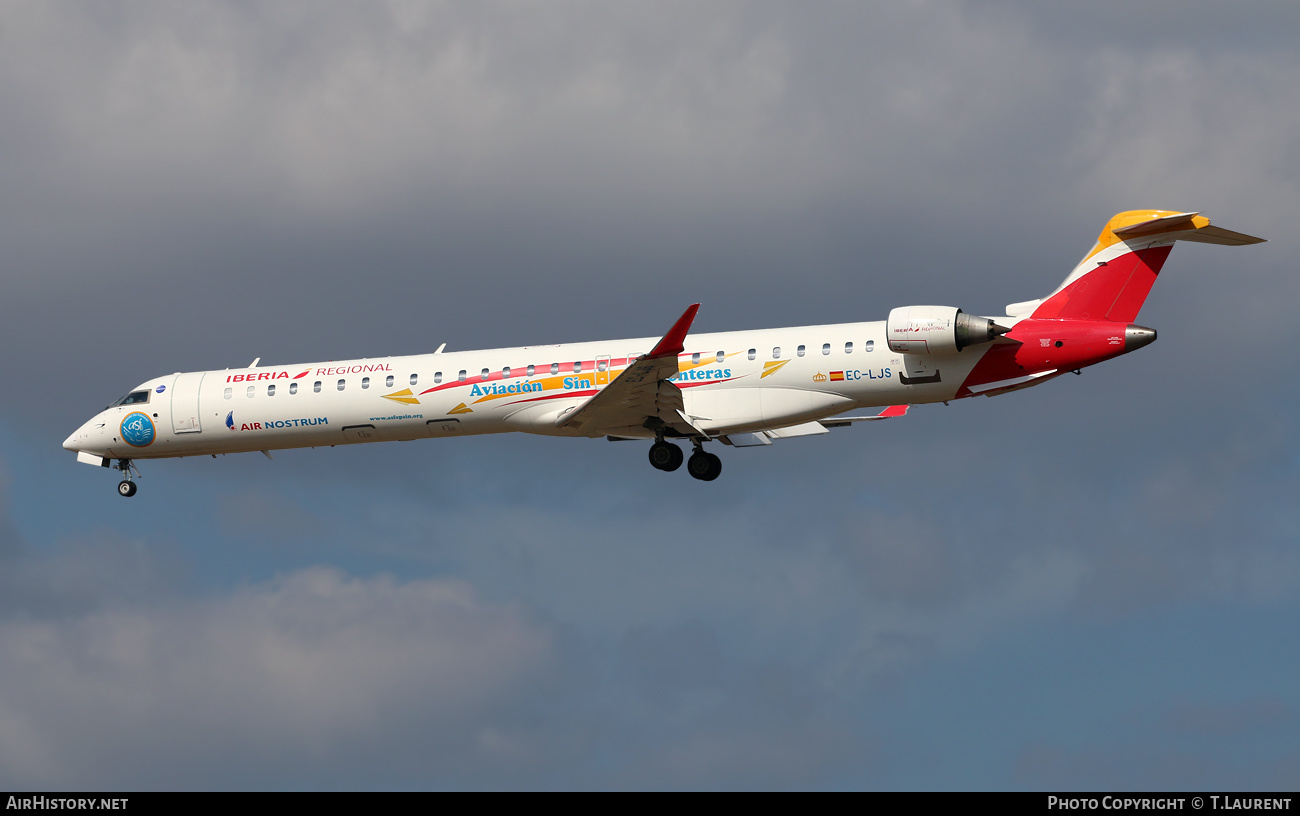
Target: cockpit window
<point x="134" y="398"/>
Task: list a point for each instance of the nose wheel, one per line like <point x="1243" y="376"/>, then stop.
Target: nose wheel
<point x="126" y="487"/>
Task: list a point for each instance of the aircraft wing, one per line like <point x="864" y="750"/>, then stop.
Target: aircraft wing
<point x="641" y="392"/>
<point x="820" y="426"/>
<point x="889" y="413"/>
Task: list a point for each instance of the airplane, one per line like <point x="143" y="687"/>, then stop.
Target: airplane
<point x="740" y="388"/>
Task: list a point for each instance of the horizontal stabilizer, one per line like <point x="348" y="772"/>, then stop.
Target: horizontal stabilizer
<point x="1219" y="235"/>
<point x="1201" y="230"/>
<point x="1164" y="223"/>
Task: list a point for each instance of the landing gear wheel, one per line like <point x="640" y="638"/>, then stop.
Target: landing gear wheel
<point x="126" y="489"/>
<point x="704" y="466"/>
<point x="666" y="456"/>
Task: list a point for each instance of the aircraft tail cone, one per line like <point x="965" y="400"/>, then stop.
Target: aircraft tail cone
<point x="1135" y="337"/>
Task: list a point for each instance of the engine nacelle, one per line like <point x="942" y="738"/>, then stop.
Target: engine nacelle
<point x="937" y="330"/>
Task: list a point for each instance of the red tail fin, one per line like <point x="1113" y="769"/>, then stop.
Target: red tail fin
<point x="1115" y="290"/>
<point x="1113" y="279"/>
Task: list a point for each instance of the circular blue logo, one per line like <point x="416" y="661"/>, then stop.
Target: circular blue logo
<point x="137" y="430"/>
<point x="161" y="389"/>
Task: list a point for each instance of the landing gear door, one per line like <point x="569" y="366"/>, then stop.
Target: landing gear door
<point x="185" y="403"/>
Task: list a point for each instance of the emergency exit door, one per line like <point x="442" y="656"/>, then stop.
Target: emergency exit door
<point x="185" y="403"/>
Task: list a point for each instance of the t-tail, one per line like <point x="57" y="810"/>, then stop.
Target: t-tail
<point x="1090" y="316"/>
<point x="1112" y="281"/>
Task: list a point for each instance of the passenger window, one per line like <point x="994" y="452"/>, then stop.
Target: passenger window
<point x="437" y="377"/>
<point x="555" y="368"/>
<point x="600" y="364"/>
<point x="365" y="383"/>
<point x="270" y="390"/>
<point x="249" y="392"/>
<point x="293" y="388"/>
<point x="800" y="350"/>
<point x="577" y="367"/>
<point x="415" y="378"/>
<point x="826" y="348"/>
<point x="776" y="352"/>
<point x="531" y="369"/>
<point x="388" y="381"/>
<point x="695" y="358"/>
<point x="343" y="384"/>
<point x="721" y="356"/>
<point x="848" y="347"/>
<point x="870" y="345"/>
<point x="753" y="353"/>
<point x="461" y="375"/>
<point x="229" y="392"/>
<point x="483" y="375"/>
<point x="505" y="372"/>
<point x="316" y="387"/>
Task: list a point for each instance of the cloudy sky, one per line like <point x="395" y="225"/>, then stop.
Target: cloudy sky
<point x="1089" y="585"/>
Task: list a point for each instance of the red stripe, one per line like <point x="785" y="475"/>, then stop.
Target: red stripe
<point x="588" y="367"/>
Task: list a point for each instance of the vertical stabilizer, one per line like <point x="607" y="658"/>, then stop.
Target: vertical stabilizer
<point x="1113" y="279"/>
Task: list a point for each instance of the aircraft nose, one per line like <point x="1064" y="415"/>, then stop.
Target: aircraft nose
<point x="71" y="442"/>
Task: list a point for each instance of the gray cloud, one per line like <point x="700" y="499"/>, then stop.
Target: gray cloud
<point x="317" y="665"/>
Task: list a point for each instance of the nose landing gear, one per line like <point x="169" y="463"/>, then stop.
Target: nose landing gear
<point x="126" y="487"/>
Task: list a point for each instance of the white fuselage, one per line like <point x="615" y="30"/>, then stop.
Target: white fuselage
<point x="731" y="382"/>
<point x="740" y="388"/>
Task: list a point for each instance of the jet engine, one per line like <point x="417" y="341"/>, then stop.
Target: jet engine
<point x="937" y="330"/>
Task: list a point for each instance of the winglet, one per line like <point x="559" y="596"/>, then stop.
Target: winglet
<point x="674" y="342"/>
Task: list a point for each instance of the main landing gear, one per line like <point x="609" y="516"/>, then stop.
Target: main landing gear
<point x="126" y="487"/>
<point x="702" y="465"/>
<point x="666" y="456"/>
